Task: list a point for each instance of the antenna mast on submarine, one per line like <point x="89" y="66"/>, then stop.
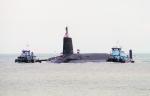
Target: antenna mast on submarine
<point x="66" y="34"/>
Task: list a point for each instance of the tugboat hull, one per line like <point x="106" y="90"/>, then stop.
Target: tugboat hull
<point x="24" y="60"/>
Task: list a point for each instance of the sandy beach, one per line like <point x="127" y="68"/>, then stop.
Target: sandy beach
<point x="87" y="79"/>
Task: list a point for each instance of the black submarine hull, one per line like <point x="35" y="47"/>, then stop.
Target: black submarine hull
<point x="81" y="58"/>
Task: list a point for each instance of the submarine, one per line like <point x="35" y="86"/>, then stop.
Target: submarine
<point x="68" y="55"/>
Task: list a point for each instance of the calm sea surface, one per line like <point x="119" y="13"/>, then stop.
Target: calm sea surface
<point x="80" y="79"/>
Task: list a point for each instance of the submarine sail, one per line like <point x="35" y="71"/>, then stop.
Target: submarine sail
<point x="67" y="44"/>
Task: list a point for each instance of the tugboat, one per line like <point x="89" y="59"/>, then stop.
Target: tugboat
<point x="27" y="57"/>
<point x="117" y="55"/>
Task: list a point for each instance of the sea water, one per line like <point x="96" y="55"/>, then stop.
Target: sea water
<point x="79" y="79"/>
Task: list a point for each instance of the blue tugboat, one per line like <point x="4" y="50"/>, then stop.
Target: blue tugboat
<point x="117" y="55"/>
<point x="27" y="57"/>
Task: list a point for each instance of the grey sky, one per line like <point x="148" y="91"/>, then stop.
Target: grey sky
<point x="94" y="25"/>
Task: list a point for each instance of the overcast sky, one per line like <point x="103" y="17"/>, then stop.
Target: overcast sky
<point x="94" y="25"/>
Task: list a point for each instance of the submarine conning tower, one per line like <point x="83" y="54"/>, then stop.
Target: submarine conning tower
<point x="67" y="44"/>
